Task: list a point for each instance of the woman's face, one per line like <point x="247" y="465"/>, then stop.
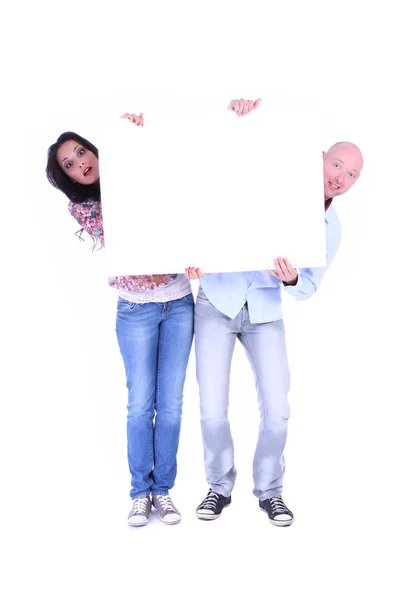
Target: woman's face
<point x="79" y="163"/>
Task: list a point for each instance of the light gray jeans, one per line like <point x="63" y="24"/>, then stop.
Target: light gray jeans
<point x="265" y="346"/>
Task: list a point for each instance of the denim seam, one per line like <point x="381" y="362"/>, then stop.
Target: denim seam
<point x="158" y="393"/>
<point x="191" y="299"/>
<point x="132" y="306"/>
<point x="165" y="313"/>
<point x="258" y="459"/>
<point x="147" y="494"/>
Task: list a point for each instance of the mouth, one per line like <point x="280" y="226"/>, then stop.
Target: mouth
<point x="333" y="186"/>
<point x="87" y="171"/>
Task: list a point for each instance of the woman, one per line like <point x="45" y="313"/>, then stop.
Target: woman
<point x="155" y="332"/>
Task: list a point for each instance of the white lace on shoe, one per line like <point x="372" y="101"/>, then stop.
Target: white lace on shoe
<point x="166" y="503"/>
<point x="139" y="507"/>
<point x="279" y="509"/>
<point x="168" y="512"/>
<point x="209" y="503"/>
<point x="140" y="511"/>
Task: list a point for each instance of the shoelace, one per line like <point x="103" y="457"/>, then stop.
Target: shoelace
<point x="140" y="506"/>
<point x="210" y="501"/>
<point x="277" y="505"/>
<point x="166" y="503"/>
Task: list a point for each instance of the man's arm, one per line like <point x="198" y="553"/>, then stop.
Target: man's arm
<point x="309" y="280"/>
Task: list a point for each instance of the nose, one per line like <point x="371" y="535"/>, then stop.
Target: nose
<point x="339" y="177"/>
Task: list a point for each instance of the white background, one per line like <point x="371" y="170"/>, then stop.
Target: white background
<point x="64" y="474"/>
<point x="232" y="174"/>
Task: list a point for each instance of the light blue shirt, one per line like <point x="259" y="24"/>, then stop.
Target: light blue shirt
<point x="229" y="292"/>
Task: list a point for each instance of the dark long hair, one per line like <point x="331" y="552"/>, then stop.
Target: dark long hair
<point x="59" y="179"/>
<point x="76" y="192"/>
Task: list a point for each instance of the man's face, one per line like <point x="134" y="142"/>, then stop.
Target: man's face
<point x="342" y="167"/>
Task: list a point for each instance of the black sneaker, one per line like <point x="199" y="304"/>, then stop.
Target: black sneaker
<point x="212" y="506"/>
<point x="278" y="512"/>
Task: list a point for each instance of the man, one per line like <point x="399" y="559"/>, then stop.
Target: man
<point x="247" y="306"/>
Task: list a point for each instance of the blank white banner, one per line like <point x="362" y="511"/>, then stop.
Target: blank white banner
<point x="212" y="190"/>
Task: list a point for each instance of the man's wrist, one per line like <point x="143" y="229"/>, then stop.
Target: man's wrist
<point x="291" y="283"/>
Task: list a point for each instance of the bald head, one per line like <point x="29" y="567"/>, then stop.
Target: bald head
<point x="343" y="163"/>
<point x="349" y="150"/>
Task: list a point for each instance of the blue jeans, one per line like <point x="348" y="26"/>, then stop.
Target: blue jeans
<point x="155" y="341"/>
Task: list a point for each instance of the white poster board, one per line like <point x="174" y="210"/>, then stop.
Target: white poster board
<point x="212" y="190"/>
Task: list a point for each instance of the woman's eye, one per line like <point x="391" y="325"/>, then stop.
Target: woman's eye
<point x="81" y="151"/>
<point x="68" y="165"/>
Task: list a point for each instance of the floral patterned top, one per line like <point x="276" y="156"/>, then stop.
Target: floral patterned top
<point x="90" y="218"/>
